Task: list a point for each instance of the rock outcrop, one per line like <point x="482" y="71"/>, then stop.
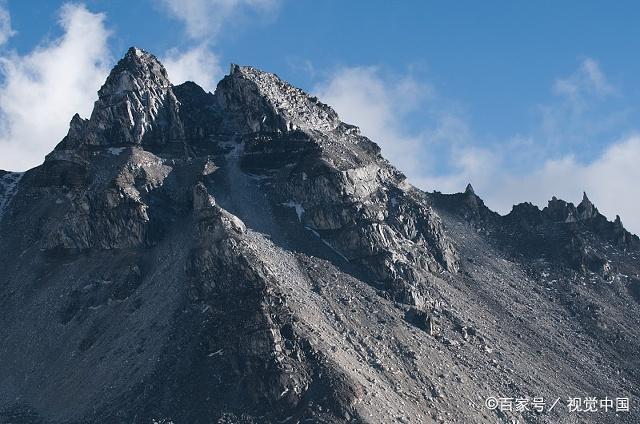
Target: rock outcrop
<point x="342" y="190"/>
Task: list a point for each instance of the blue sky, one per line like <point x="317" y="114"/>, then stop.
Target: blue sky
<point x="524" y="99"/>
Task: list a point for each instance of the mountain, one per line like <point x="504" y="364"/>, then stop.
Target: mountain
<point x="247" y="257"/>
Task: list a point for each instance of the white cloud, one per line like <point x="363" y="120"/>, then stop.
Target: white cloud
<point x="380" y="106"/>
<point x="43" y="89"/>
<point x="587" y="80"/>
<point x="581" y="112"/>
<point x="204" y="19"/>
<point x="362" y="97"/>
<point x="6" y="31"/>
<point x="198" y="64"/>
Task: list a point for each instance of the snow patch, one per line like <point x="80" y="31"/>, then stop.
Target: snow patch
<point x="116" y="150"/>
<point x="298" y="207"/>
<point x="336" y="251"/>
<point x="314" y="232"/>
<point x="257" y="177"/>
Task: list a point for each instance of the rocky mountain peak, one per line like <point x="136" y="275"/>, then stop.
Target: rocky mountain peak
<point x="586" y="209"/>
<point x="469" y="189"/>
<point x="618" y="221"/>
<point x="332" y="177"/>
<point x="559" y="210"/>
<point x="269" y="103"/>
<point x="585" y="198"/>
<point x="135" y="105"/>
<point x="136" y="71"/>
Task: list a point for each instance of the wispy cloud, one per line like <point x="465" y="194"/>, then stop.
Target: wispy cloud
<point x="42" y="89"/>
<point x="581" y="112"/>
<point x="381" y="104"/>
<point x="6" y="32"/>
<point x="204" y="19"/>
<point x="198" y="64"/>
<point x="361" y="96"/>
<point x="588" y="80"/>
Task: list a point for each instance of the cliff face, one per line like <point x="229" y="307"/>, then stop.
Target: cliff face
<point x="245" y="256"/>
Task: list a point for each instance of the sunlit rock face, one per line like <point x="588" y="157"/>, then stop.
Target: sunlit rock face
<point x="246" y="257"/>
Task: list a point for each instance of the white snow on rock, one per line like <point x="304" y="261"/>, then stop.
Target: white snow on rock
<point x="116" y="150"/>
<point x="336" y="251"/>
<point x="298" y="207"/>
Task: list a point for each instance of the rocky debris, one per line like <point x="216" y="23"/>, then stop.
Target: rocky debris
<point x="110" y="209"/>
<point x="246" y="257"/>
<point x="421" y="319"/>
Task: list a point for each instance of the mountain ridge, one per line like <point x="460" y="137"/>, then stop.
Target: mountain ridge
<point x="136" y="59"/>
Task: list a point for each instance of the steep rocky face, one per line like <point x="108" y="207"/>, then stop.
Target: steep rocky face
<point x="246" y="257"/>
<point x="135" y="105"/>
<point x="335" y="180"/>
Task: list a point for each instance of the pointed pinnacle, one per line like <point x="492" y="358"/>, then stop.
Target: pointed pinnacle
<point x="469" y="189"/>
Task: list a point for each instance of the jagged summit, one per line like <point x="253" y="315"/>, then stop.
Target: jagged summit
<point x="138" y="64"/>
<point x="585" y="198"/>
<point x="586" y="209"/>
<point x="288" y="103"/>
<point x="469" y="189"/>
<point x="135" y="105"/>
<point x="560" y="232"/>
<point x="138" y="73"/>
<point x="240" y="70"/>
<point x="561" y="210"/>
